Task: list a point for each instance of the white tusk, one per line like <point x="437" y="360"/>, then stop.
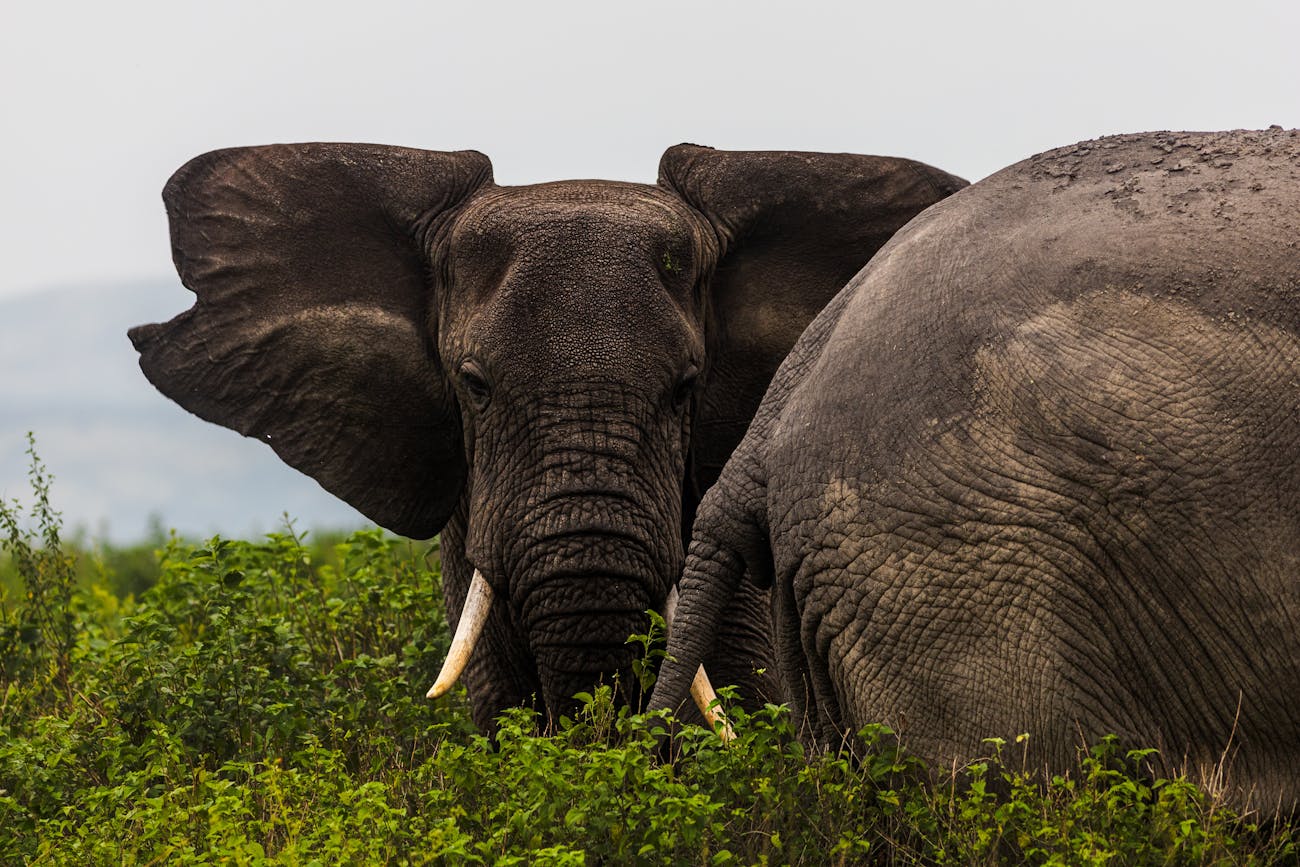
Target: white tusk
<point x="670" y="607"/>
<point x="478" y="602"/>
<point x="701" y="688"/>
<point x="702" y="692"/>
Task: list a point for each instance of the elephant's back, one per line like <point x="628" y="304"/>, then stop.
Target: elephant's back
<point x="1207" y="222"/>
<point x="1211" y="219"/>
<point x="1043" y="472"/>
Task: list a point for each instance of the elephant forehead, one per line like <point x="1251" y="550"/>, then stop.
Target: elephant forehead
<point x="576" y="273"/>
<point x="589" y="325"/>
<point x="639" y="216"/>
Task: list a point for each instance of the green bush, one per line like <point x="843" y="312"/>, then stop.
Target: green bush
<point x="262" y="702"/>
<point x="39" y="628"/>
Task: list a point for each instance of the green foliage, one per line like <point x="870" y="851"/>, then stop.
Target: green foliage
<point x="1111" y="812"/>
<point x="262" y="702"/>
<point x="38" y="629"/>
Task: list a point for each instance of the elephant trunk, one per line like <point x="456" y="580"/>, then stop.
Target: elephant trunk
<point x="576" y="522"/>
<point x="582" y="583"/>
<point x="711" y="578"/>
<point x="577" y="628"/>
<point x="701" y="687"/>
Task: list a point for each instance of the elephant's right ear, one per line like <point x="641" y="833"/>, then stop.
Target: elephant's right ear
<point x="312" y="329"/>
<point x="793" y="228"/>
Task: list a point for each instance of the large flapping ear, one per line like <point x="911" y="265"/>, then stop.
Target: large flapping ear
<point x="312" y="326"/>
<point x="794" y="228"/>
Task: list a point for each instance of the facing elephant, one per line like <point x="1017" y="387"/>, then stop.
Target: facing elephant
<point x="548" y="375"/>
<point x="1037" y="470"/>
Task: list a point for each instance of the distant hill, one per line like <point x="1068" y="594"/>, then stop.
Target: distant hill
<point x="121" y="453"/>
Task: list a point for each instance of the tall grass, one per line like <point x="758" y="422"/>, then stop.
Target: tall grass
<point x="262" y="702"/>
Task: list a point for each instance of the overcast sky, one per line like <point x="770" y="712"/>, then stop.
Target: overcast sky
<point x="102" y="101"/>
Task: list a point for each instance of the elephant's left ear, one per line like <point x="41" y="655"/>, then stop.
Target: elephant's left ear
<point x="312" y="327"/>
<point x="793" y="227"/>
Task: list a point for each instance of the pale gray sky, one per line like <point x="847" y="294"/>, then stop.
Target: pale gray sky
<point x="102" y="101"/>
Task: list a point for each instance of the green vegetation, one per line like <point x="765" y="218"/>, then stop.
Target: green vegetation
<point x="262" y="702"/>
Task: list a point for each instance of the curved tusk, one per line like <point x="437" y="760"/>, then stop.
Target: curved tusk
<point x="478" y="602"/>
<point x="702" y="692"/>
<point x="701" y="689"/>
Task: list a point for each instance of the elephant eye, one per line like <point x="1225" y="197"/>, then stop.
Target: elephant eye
<point x="685" y="387"/>
<point x="475" y="383"/>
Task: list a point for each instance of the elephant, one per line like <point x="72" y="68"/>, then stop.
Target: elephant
<point x="549" y="375"/>
<point x="1036" y="470"/>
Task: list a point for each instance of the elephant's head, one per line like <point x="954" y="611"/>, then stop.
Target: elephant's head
<point x="551" y="373"/>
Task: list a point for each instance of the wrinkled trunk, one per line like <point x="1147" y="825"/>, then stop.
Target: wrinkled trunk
<point x="729" y="537"/>
<point x="581" y="653"/>
<point x="581" y="588"/>
<point x="584" y="544"/>
<point x="712" y="575"/>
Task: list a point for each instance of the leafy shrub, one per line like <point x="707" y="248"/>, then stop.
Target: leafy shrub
<point x="262" y="702"/>
<point x="37" y="633"/>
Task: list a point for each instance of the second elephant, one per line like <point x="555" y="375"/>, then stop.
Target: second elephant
<point x="1037" y="470"/>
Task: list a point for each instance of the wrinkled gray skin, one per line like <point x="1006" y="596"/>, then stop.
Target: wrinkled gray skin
<point x="549" y="375"/>
<point x="1037" y="469"/>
